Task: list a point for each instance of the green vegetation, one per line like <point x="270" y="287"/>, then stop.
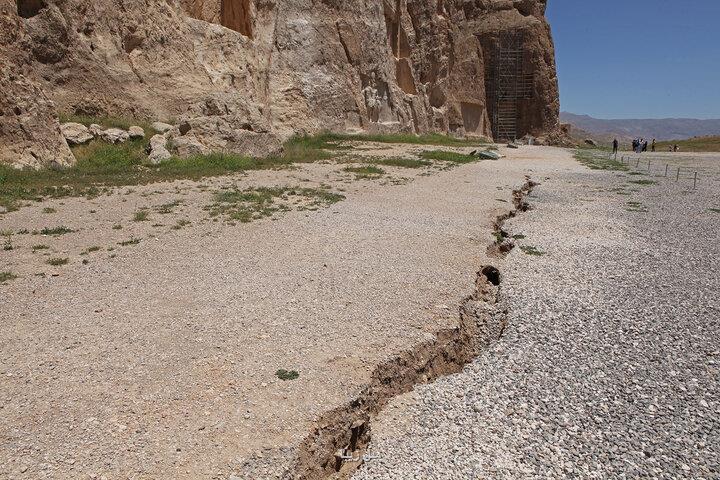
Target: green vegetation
<point x="132" y="241"/>
<point x="530" y="250"/>
<point x="518" y="237"/>
<point x="714" y="210"/>
<point x="7" y="276"/>
<point x="168" y="207"/>
<point x="117" y="227"/>
<point x="445" y="156"/>
<point x="56" y="262"/>
<point x="141" y="216"/>
<point x="329" y="139"/>
<point x="8" y="240"/>
<point x="644" y="182"/>
<point x="49" y="210"/>
<point x="257" y="203"/>
<point x="366" y="171"/>
<point x="56" y="231"/>
<point x="101" y="166"/>
<point x="35" y="248"/>
<point x="695" y="144"/>
<point x="180" y="224"/>
<point x="636" y="207"/>
<point x="285" y="375"/>
<point x="598" y="161"/>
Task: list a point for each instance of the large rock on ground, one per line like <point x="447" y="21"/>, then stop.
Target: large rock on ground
<point x="259" y="72"/>
<point x="76" y="133"/>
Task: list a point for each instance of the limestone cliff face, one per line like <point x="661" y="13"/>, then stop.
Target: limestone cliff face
<point x="246" y="74"/>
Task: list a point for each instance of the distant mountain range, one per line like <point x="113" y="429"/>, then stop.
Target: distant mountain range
<point x="660" y="129"/>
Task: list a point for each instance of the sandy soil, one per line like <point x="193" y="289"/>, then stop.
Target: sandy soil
<point x="159" y="358"/>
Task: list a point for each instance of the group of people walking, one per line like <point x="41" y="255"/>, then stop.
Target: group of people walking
<point x="639" y="145"/>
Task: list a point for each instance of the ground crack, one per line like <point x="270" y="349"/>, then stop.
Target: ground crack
<point x="335" y="448"/>
<point x="503" y="244"/>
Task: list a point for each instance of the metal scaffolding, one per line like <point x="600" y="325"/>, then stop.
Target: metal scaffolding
<point x="509" y="85"/>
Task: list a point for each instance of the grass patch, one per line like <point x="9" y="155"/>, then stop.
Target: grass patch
<point x="58" y="261"/>
<point x="365" y="171"/>
<point x="49" y="210"/>
<point x="36" y="248"/>
<point x="117" y="227"/>
<point x="643" y="182"/>
<point x="530" y="250"/>
<point x="519" y="236"/>
<point x="714" y="210"/>
<point x="599" y="161"/>
<point x="7" y="276"/>
<point x="56" y="231"/>
<point x="132" y="241"/>
<point x="256" y="203"/>
<point x="695" y="144"/>
<point x="404" y="138"/>
<point x="168" y="207"/>
<point x="285" y="375"/>
<point x="180" y="224"/>
<point x="446" y="156"/>
<point x="141" y="216"/>
<point x="103" y="166"/>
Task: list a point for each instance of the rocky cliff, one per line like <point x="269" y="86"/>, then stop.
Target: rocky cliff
<point x="246" y="74"/>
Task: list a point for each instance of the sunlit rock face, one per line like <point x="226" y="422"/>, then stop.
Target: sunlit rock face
<point x="250" y="73"/>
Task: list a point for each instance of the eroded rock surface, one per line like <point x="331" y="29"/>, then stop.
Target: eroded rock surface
<point x="252" y="73"/>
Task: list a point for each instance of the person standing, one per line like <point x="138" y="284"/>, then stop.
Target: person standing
<point x="653" y="145"/>
<point x="615" y="146"/>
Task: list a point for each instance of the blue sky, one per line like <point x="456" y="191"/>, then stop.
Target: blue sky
<point x="638" y="58"/>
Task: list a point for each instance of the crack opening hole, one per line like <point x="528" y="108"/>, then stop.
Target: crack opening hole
<point x="492" y="274"/>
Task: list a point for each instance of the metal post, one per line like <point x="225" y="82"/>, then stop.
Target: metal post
<point x="695" y="182"/>
<point x="648" y="164"/>
<point x="666" y="169"/>
<point x="678" y="175"/>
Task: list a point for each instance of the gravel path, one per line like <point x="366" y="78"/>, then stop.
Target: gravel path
<point x="609" y="366"/>
<point x="159" y="359"/>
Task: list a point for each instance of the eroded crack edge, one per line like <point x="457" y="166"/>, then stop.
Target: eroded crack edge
<point x="345" y="431"/>
<point x="503" y="244"/>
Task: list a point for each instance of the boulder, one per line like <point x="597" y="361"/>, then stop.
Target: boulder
<point x="188" y="146"/>
<point x="136" y="133"/>
<point x="157" y="150"/>
<point x="590" y="141"/>
<point x="95" y="129"/>
<point x="161" y="127"/>
<point x="115" y="135"/>
<point x="76" y="133"/>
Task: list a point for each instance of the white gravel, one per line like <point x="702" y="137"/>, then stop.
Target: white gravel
<point x="609" y="366"/>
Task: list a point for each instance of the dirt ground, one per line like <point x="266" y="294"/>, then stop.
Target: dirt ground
<point x="153" y="351"/>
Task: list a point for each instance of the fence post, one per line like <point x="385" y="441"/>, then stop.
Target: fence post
<point x="678" y="175"/>
<point x="648" y="164"/>
<point x="638" y="163"/>
<point x="666" y="168"/>
<point x="695" y="182"/>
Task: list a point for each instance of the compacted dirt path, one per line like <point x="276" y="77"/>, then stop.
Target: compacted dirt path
<point x="159" y="358"/>
<point x="610" y="364"/>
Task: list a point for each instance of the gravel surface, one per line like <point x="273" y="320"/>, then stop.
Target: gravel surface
<point x="158" y="359"/>
<point x="609" y="366"/>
